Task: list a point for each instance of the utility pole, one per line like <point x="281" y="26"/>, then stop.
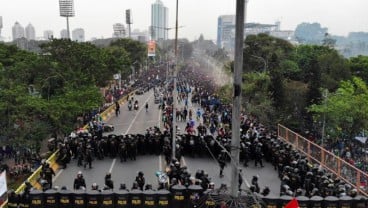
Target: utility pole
<point x="174" y="77"/>
<point x="325" y="97"/>
<point x="238" y="68"/>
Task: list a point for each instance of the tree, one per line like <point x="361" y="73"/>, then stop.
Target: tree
<point x="78" y="63"/>
<point x="136" y="50"/>
<point x="256" y="97"/>
<point x="359" y="67"/>
<point x="346" y="110"/>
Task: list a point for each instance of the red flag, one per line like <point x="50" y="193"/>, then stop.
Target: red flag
<point x="292" y="204"/>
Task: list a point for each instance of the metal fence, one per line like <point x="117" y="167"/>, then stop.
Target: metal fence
<point x="315" y="153"/>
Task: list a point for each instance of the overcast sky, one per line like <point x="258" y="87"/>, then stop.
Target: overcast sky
<point x="96" y="17"/>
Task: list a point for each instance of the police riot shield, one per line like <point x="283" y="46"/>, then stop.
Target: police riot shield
<point x="331" y="202"/>
<point x="121" y="199"/>
<point x="270" y="201"/>
<point x="24" y="200"/>
<point x="149" y="198"/>
<point x="51" y="198"/>
<point x="316" y="202"/>
<point x="163" y="198"/>
<point x="36" y="199"/>
<point x="13" y="199"/>
<point x="179" y="197"/>
<point x="284" y="199"/>
<point x="346" y="202"/>
<point x="107" y="199"/>
<point x="136" y="198"/>
<point x="303" y="201"/>
<point x="209" y="197"/>
<point x="66" y="199"/>
<point x="360" y="201"/>
<point x="195" y="193"/>
<point x="93" y="199"/>
<point x="79" y="199"/>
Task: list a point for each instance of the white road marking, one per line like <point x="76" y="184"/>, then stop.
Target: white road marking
<point x="112" y="165"/>
<point x="159" y="163"/>
<point x="136" y="115"/>
<point x="57" y="175"/>
<point x="183" y="161"/>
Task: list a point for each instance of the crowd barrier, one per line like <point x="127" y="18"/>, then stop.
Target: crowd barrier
<point x="316" y="202"/>
<point x="178" y="197"/>
<point x="336" y="165"/>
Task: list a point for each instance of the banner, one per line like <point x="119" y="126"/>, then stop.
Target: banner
<point x="3" y="185"/>
<point x="151" y="47"/>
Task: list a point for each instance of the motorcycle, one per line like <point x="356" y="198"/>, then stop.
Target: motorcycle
<point x="130" y="106"/>
<point x="162" y="179"/>
<point x="136" y="105"/>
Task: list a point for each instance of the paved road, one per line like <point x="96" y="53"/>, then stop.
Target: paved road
<point x="132" y="122"/>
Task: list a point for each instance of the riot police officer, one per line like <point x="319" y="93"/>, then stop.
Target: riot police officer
<point x="108" y="181"/>
<point x="79" y="182"/>
<point x="222" y="161"/>
<point x="140" y="180"/>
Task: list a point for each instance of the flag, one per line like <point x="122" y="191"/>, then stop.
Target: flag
<point x="292" y="204"/>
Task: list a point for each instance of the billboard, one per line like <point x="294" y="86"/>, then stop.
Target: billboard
<point x="151" y="48"/>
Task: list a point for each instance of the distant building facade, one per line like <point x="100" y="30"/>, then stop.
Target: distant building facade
<point x="64" y="34"/>
<point x="119" y="30"/>
<point x="141" y="36"/>
<point x="78" y="35"/>
<point x="17" y="31"/>
<point x="159" y="21"/>
<point x="48" y="34"/>
<point x="226" y="31"/>
<point x="30" y="32"/>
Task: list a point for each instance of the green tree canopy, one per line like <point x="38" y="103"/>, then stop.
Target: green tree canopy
<point x="346" y="110"/>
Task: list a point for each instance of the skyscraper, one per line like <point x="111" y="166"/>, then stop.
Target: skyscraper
<point x="66" y="10"/>
<point x="18" y="31"/>
<point x="30" y="32"/>
<point x="159" y="21"/>
<point x="48" y="34"/>
<point x="225" y="30"/>
<point x="78" y="35"/>
<point x="64" y="34"/>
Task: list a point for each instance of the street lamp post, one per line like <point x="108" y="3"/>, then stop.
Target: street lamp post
<point x="174" y="77"/>
<point x="238" y="68"/>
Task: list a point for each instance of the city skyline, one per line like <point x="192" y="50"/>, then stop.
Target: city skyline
<point x="195" y="17"/>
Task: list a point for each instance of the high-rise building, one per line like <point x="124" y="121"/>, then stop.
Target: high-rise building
<point x="18" y="31"/>
<point x="78" y="35"/>
<point x="226" y="30"/>
<point x="30" y="32"/>
<point x="119" y="30"/>
<point x="64" y="34"/>
<point x="159" y="21"/>
<point x="1" y="24"/>
<point x="48" y="34"/>
<point x="66" y="10"/>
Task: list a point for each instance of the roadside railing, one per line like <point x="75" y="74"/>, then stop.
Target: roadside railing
<point x="336" y="165"/>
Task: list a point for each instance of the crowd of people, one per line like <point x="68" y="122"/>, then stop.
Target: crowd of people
<point x="208" y="134"/>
